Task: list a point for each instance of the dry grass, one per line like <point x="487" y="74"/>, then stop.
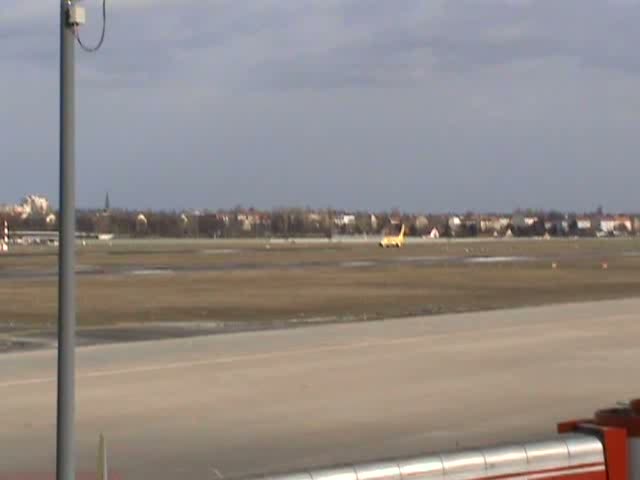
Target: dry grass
<point x="149" y="254"/>
<point x="326" y="289"/>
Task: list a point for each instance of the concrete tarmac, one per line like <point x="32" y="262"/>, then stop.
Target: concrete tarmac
<point x="228" y="406"/>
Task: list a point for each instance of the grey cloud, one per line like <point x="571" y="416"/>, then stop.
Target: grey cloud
<point x="441" y="104"/>
<point x="29" y="42"/>
<point x="596" y="32"/>
<point x="469" y="34"/>
<point x="308" y="44"/>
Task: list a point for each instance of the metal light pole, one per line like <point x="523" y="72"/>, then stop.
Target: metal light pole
<point x="65" y="437"/>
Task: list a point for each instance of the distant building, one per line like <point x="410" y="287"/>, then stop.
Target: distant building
<point x="492" y="224"/>
<point x="374" y="222"/>
<point x="522" y="221"/>
<point x="455" y="222"/>
<point x="607" y="224"/>
<point x="313" y="217"/>
<point x="29" y="206"/>
<point x="620" y="223"/>
<point x="35" y="205"/>
<point x="246" y="221"/>
<point x="556" y="226"/>
<point x="345" y="220"/>
<point x="583" y="223"/>
<point x="624" y="222"/>
<point x="141" y="224"/>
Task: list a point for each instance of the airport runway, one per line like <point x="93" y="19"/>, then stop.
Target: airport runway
<point x="9" y="274"/>
<point x="141" y="270"/>
<point x="227" y="406"/>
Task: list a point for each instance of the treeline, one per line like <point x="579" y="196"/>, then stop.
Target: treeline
<point x="130" y="223"/>
<point x="285" y="222"/>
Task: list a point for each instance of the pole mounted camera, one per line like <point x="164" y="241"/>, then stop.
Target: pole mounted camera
<point x="76" y="15"/>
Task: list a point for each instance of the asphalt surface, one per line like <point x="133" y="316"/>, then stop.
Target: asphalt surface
<point x="15" y="338"/>
<point x="227" y="406"/>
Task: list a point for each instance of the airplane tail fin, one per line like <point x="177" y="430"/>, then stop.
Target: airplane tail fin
<point x="402" y="231"/>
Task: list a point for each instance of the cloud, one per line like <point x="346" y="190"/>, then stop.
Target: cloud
<point x="597" y="33"/>
<point x="329" y="44"/>
<point x="439" y="104"/>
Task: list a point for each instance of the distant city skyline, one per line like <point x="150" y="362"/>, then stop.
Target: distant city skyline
<point x="445" y="105"/>
<point x="40" y="202"/>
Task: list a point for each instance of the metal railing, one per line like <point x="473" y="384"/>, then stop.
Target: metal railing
<point x="568" y="454"/>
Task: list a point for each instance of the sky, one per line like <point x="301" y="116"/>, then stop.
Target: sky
<point x="422" y="105"/>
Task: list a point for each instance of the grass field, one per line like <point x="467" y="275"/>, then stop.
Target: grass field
<point x="248" y="281"/>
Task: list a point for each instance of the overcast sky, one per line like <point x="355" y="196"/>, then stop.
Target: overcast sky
<point x="429" y="105"/>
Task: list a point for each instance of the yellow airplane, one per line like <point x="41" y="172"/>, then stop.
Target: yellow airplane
<point x="391" y="241"/>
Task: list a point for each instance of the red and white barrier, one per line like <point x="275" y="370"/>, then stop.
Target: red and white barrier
<point x="606" y="447"/>
<point x="573" y="456"/>
<point x="4" y="243"/>
<point x="619" y="430"/>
